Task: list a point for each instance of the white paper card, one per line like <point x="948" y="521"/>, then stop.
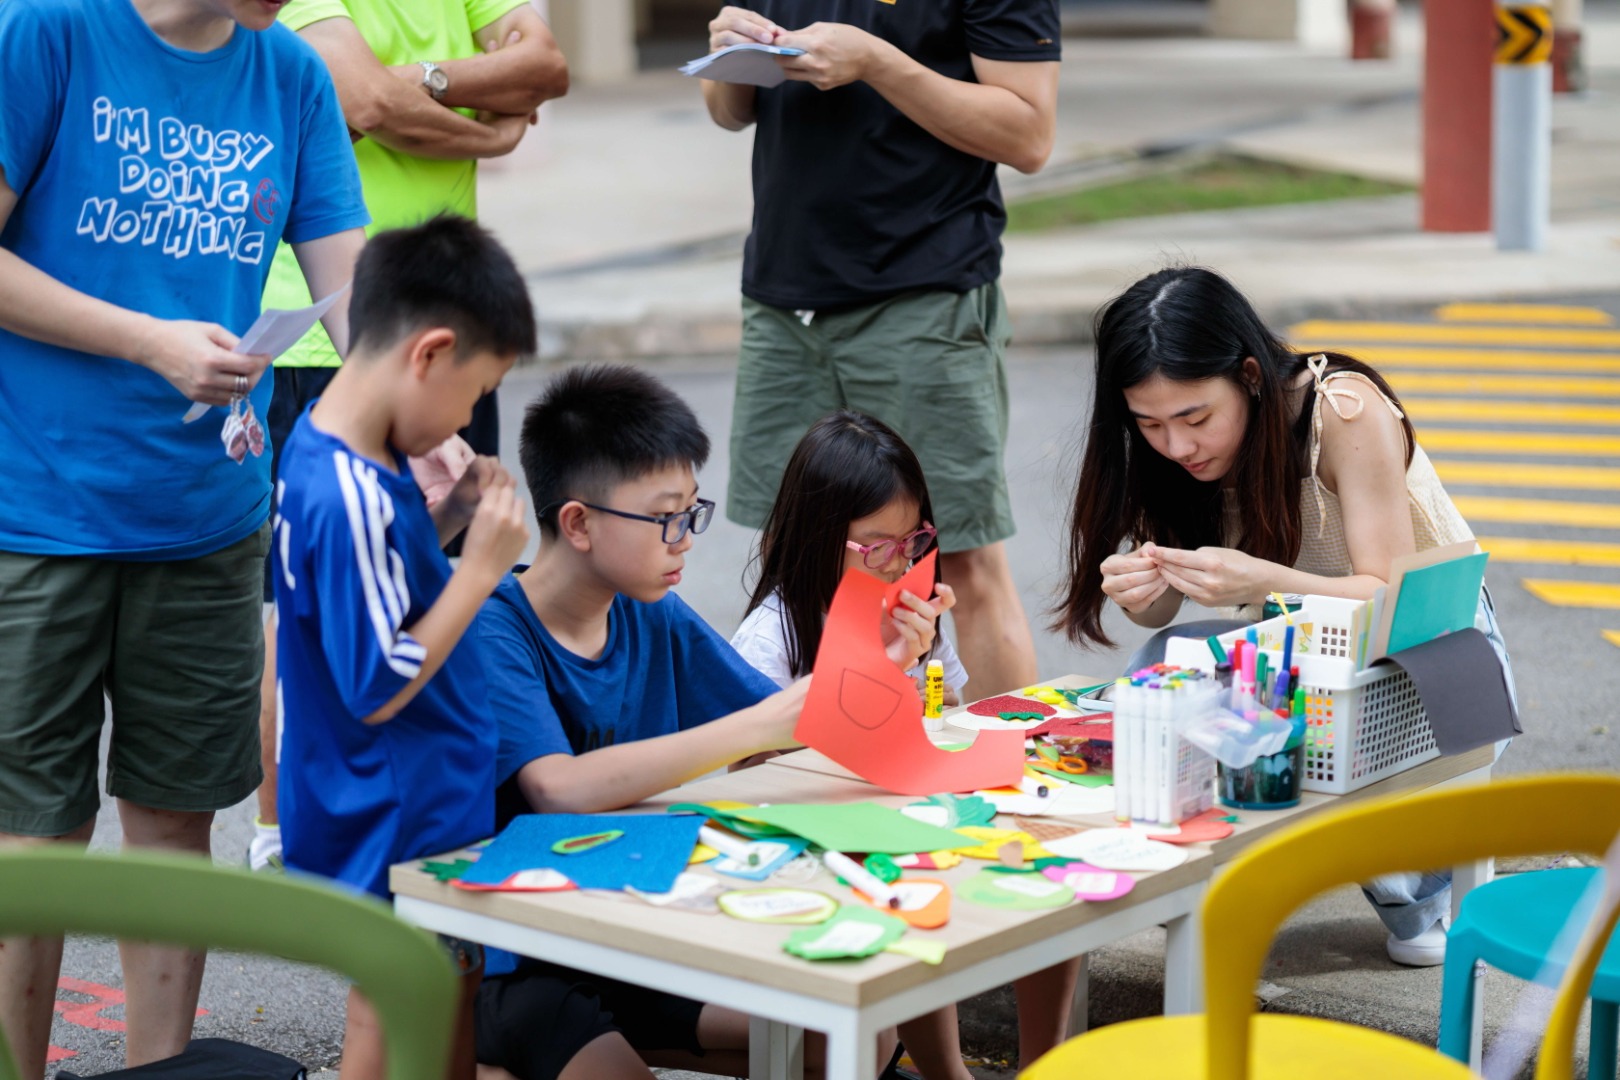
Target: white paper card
<point x="749" y="63"/>
<point x="273" y="333"/>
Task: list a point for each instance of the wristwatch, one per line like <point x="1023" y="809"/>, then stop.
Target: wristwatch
<point x="434" y="80"/>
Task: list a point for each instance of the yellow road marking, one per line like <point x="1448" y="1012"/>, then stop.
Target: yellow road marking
<point x="1513" y="412"/>
<point x="1585" y="594"/>
<point x="1539" y="511"/>
<point x="1519" y="549"/>
<point x="1524" y="313"/>
<point x="1612" y="637"/>
<point x="1417" y="356"/>
<point x="1426" y="382"/>
<point x="1450" y="334"/>
<point x="1518" y="474"/>
<point x="1519" y="442"/>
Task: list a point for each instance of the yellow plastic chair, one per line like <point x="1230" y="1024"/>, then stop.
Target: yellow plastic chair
<point x="176" y="900"/>
<point x="1521" y="816"/>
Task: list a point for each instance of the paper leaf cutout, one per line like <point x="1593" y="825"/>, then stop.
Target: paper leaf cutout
<point x="865" y="713"/>
<point x="852" y="933"/>
<point x="778" y="905"/>
<point x="1014" y="892"/>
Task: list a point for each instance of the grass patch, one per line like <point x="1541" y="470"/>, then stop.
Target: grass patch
<point x="1225" y="182"/>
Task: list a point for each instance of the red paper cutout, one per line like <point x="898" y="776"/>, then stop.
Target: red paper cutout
<point x="1095" y="726"/>
<point x="1198" y="829"/>
<point x="865" y="713"/>
<point x="995" y="706"/>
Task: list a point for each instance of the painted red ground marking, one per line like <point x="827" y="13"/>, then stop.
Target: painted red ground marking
<point x="87" y="1014"/>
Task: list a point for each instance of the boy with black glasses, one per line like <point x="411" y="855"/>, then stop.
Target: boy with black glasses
<point x="608" y="689"/>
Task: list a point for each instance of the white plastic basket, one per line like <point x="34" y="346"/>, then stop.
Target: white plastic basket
<point x="1362" y="726"/>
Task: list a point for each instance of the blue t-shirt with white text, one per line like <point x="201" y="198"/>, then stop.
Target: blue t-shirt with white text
<point x="159" y="180"/>
<point x="356" y="563"/>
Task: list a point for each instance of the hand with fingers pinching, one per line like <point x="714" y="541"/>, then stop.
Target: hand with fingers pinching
<point x="909" y="632"/>
<point x="1213" y="576"/>
<point x="739" y="26"/>
<point x="1132" y="580"/>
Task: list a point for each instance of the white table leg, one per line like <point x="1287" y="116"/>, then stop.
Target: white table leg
<point x="1465" y="877"/>
<point x="851" y="1050"/>
<point x="1183" y="966"/>
<point x="1080" y="1010"/>
<point x="775" y="1050"/>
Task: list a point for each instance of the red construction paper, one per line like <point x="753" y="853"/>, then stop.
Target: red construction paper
<point x="918" y="581"/>
<point x="995" y="706"/>
<point x="865" y="714"/>
<point x="1096" y="726"/>
<point x="1195" y="830"/>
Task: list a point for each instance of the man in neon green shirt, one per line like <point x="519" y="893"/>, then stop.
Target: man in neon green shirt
<point x="428" y="88"/>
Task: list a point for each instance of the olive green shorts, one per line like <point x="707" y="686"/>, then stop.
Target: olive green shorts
<point x="931" y="365"/>
<point x="177" y="647"/>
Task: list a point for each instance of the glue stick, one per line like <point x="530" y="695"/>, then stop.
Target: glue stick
<point x="934" y="696"/>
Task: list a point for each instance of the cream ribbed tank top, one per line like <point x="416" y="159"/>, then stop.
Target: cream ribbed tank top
<point x="1323" y="549"/>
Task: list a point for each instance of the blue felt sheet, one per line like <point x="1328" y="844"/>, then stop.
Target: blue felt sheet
<point x="654" y="849"/>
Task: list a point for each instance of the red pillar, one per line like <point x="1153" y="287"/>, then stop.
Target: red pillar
<point x="1461" y="35"/>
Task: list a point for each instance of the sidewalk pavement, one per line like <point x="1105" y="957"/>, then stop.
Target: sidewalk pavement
<point x="627" y="208"/>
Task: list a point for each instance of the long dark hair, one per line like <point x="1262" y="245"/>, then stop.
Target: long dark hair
<point x="1186" y="324"/>
<point x="847" y="466"/>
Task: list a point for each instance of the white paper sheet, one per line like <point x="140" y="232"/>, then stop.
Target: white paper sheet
<point x="747" y="63"/>
<point x="273" y="333"/>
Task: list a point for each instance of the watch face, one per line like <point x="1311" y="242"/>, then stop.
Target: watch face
<point x="438" y="81"/>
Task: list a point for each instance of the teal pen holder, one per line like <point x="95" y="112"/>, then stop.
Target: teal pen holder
<point x="1270" y="783"/>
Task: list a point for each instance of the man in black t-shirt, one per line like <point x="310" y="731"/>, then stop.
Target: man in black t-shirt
<point x="870" y="278"/>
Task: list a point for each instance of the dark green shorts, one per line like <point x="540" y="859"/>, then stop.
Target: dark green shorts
<point x="931" y="365"/>
<point x="178" y="648"/>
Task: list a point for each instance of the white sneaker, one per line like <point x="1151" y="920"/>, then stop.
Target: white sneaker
<point x="1428" y="949"/>
<point x="264" y="852"/>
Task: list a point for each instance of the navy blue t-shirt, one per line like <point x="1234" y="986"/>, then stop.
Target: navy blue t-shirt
<point x="664" y="670"/>
<point x="356" y="564"/>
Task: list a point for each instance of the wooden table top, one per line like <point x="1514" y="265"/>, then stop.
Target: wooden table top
<point x="719" y="943"/>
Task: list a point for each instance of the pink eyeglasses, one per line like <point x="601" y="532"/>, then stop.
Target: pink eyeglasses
<point x="912" y="546"/>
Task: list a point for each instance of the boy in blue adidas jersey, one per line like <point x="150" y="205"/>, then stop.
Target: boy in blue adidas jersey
<point x="388" y="751"/>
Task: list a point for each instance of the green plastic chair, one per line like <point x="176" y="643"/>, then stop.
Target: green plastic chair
<point x="180" y="900"/>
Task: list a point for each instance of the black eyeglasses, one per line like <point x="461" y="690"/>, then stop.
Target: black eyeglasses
<point x="694" y="519"/>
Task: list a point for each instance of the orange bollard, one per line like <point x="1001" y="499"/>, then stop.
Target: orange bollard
<point x="1457" y="87"/>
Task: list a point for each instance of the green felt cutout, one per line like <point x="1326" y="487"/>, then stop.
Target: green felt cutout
<point x="731" y="819"/>
<point x="446" y="871"/>
<point x="1022" y="716"/>
<point x="853" y="933"/>
<point x="1085" y="779"/>
<point x="1034" y="866"/>
<point x="961" y="810"/>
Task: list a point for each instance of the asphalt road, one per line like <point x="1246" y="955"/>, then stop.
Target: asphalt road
<point x="1567" y="671"/>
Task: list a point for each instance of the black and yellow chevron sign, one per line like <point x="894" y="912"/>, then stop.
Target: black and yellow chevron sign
<point x="1523" y="34"/>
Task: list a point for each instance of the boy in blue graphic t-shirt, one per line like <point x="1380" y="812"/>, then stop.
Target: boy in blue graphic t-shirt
<point x="152" y="155"/>
<point x="388" y="750"/>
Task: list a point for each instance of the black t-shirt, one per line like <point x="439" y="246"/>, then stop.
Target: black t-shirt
<point x="853" y="202"/>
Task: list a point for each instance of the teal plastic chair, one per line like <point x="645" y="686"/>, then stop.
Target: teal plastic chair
<point x="176" y="900"/>
<point x="1511" y="924"/>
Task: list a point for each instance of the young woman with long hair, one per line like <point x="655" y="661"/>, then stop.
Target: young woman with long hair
<point x="1222" y="466"/>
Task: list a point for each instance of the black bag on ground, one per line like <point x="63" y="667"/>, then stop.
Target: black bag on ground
<point x="209" y="1059"/>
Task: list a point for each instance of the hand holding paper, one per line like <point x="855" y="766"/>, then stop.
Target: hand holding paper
<point x="272" y="333"/>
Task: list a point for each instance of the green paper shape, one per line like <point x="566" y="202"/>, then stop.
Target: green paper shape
<point x="927" y="950"/>
<point x="1436" y="600"/>
<point x="854" y="933"/>
<point x="962" y="810"/>
<point x="577" y="845"/>
<point x="1085" y="779"/>
<point x="1034" y="866"/>
<point x="1035" y="716"/>
<point x="731" y="819"/>
<point x="1013" y="892"/>
<point x="446" y="871"/>
<point x="861" y="826"/>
